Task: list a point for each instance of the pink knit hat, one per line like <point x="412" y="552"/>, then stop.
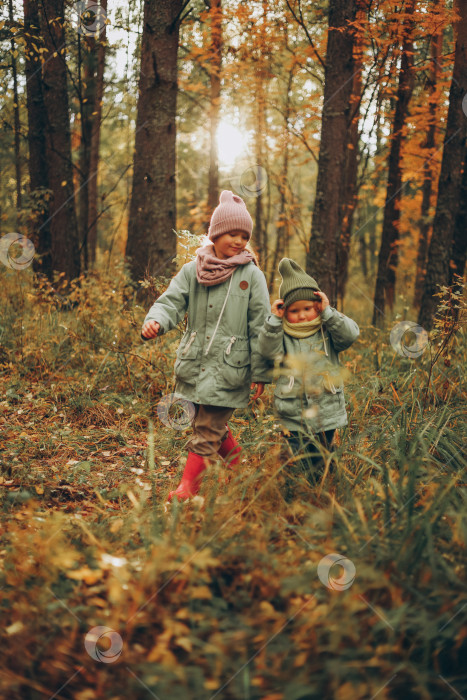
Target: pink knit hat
<point x="230" y="214"/>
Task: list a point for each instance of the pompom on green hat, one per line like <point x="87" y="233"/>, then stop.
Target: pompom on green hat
<point x="296" y="284"/>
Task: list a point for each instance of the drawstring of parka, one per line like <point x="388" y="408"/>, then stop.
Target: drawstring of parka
<point x="220" y="316"/>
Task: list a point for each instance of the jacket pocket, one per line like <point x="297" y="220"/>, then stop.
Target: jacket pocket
<point x="332" y="382"/>
<point x="287" y="397"/>
<point x="330" y="372"/>
<point x="332" y="406"/>
<point x="186" y="366"/>
<point x="288" y="407"/>
<point x="287" y="387"/>
<point x="236" y="368"/>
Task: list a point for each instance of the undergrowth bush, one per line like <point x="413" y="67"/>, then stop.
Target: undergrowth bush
<point x="221" y="597"/>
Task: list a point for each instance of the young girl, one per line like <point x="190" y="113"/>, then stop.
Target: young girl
<point x="308" y="334"/>
<point x="226" y="297"/>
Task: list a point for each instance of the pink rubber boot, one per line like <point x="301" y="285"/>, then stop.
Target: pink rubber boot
<point x="230" y="450"/>
<point x="191" y="478"/>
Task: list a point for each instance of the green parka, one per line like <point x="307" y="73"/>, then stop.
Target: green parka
<point x="218" y="356"/>
<point x="309" y="393"/>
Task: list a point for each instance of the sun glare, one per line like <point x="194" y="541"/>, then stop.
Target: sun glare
<point x="230" y="142"/>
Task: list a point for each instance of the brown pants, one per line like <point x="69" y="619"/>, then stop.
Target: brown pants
<point x="209" y="429"/>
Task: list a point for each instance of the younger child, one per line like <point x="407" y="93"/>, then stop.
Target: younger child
<point x="308" y="334"/>
<point x="226" y="297"/>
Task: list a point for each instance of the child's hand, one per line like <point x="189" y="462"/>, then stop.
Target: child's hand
<point x="321" y="305"/>
<point x="150" y="329"/>
<point x="278" y="308"/>
<point x="259" y="390"/>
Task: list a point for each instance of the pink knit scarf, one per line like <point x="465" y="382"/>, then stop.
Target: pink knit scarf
<point x="211" y="270"/>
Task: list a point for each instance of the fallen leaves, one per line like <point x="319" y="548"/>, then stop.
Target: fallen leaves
<point x="85" y="574"/>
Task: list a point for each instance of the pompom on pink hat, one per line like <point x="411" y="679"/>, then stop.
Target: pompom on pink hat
<point x="230" y="214"/>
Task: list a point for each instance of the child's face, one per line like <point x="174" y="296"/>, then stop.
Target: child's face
<point x="231" y="243"/>
<point x="302" y="311"/>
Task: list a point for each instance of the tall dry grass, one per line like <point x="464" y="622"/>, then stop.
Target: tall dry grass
<point x="221" y="597"/>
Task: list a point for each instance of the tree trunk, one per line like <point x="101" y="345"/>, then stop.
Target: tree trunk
<point x="151" y="244"/>
<point x="283" y="223"/>
<point x="322" y="256"/>
<point x="352" y="160"/>
<point x="87" y="64"/>
<point x="436" y="42"/>
<point x="450" y="180"/>
<point x="99" y="45"/>
<point x="373" y="210"/>
<point x="459" y="241"/>
<point x="16" y="116"/>
<point x="215" y="14"/>
<point x="363" y="255"/>
<point x="260" y="234"/>
<point x="362" y="240"/>
<point x="260" y="57"/>
<point x="92" y="51"/>
<point x="62" y="215"/>
<point x="37" y="125"/>
<point x="388" y="253"/>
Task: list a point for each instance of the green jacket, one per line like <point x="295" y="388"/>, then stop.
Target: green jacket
<point x="218" y="356"/>
<point x="309" y="393"/>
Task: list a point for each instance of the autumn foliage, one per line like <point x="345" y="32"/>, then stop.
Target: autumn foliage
<point x="223" y="593"/>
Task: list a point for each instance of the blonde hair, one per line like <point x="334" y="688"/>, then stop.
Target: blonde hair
<point x="250" y="250"/>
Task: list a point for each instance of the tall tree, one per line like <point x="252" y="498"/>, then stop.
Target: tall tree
<point x="436" y="41"/>
<point x="450" y="181"/>
<point x="459" y="241"/>
<point x="261" y="54"/>
<point x="215" y="65"/>
<point x="151" y="244"/>
<point x="322" y="256"/>
<point x="16" y="113"/>
<point x="283" y="221"/>
<point x="37" y="126"/>
<point x="91" y="53"/>
<point x="62" y="214"/>
<point x="350" y="190"/>
<point x="388" y="254"/>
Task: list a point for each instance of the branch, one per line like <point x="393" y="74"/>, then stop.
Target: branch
<point x="301" y="22"/>
<point x="177" y="18"/>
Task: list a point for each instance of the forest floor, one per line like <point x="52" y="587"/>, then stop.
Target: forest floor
<point x="105" y="592"/>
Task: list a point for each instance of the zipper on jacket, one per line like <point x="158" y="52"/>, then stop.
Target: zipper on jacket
<point x="229" y="347"/>
<point x="187" y="346"/>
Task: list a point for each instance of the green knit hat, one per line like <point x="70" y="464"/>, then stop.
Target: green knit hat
<point x="296" y="284"/>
